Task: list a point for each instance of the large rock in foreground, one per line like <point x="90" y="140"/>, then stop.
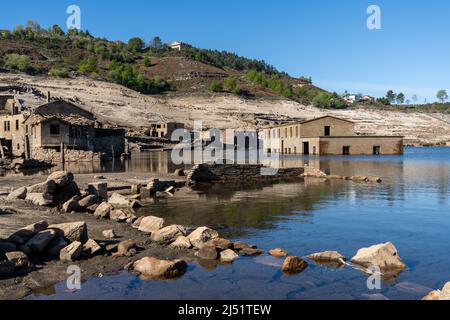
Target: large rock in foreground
<point x="384" y="256"/>
<point x="168" y="234"/>
<point x="443" y="294"/>
<point x="327" y="256"/>
<point x="61" y="178"/>
<point x="153" y="268"/>
<point x="294" y="265"/>
<point x="151" y="224"/>
<point x="201" y="236"/>
<point x="72" y="231"/>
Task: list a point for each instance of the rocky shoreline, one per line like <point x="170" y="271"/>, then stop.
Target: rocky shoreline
<point x="55" y="224"/>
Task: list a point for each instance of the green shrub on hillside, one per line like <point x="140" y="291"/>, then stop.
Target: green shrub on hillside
<point x="59" y="73"/>
<point x="18" y="62"/>
<point x="128" y="76"/>
<point x="89" y="65"/>
<point x="230" y="84"/>
<point x="327" y="100"/>
<point x="216" y="86"/>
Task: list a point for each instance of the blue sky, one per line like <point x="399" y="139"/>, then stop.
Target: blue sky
<point x="325" y="39"/>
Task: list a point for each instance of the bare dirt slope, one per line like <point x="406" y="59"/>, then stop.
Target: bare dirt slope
<point x="118" y="105"/>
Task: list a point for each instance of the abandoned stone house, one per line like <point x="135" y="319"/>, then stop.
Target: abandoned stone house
<point x="41" y="134"/>
<point x="327" y="135"/>
<point x="164" y="130"/>
<point x="11" y="130"/>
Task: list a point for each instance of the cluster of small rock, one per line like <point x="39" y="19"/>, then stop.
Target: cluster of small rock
<point x="58" y="188"/>
<point x="66" y="241"/>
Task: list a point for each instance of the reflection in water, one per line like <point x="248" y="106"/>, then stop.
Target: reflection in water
<point x="410" y="208"/>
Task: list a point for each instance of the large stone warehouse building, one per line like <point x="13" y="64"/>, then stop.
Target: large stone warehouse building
<point x="327" y="136"/>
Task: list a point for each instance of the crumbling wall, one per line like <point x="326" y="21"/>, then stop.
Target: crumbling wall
<point x="237" y="172"/>
<point x="54" y="156"/>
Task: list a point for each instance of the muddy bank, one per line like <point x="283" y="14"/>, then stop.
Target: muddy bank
<point x="49" y="273"/>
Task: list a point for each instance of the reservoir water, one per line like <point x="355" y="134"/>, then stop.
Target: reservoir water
<point x="411" y="208"/>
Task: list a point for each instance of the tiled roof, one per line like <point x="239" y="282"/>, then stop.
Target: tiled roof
<point x="72" y="119"/>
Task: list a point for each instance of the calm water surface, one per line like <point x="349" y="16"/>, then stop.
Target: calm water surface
<point x="410" y="208"/>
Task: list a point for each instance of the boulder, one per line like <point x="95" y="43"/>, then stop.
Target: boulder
<point x="88" y="201"/>
<point x="6" y="246"/>
<point x="91" y="209"/>
<point x="207" y="252"/>
<point x="7" y="268"/>
<point x="221" y="243"/>
<point x="181" y="243"/>
<point x="137" y="223"/>
<point x="103" y="211"/>
<point x="153" y="268"/>
<point x="18" y="194"/>
<point x="201" y="236"/>
<point x="242" y="245"/>
<point x="168" y="234"/>
<point x="100" y="189"/>
<point x="228" y="256"/>
<point x="40" y="199"/>
<point x="71" y="206"/>
<point x="443" y="294"/>
<point x="72" y="231"/>
<point x="278" y="252"/>
<point x="119" y="201"/>
<point x="61" y="178"/>
<point x="251" y="252"/>
<point x="63" y="194"/>
<point x="44" y="187"/>
<point x="151" y="224"/>
<point x="19" y="259"/>
<point x="91" y="247"/>
<point x="293" y="265"/>
<point x="109" y="234"/>
<point x="124" y="247"/>
<point x="30" y="230"/>
<point x="120" y="215"/>
<point x="384" y="256"/>
<point x="54" y="247"/>
<point x="327" y="256"/>
<point x="38" y="243"/>
<point x="72" y="252"/>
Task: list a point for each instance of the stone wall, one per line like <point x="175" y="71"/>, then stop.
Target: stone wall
<point x="236" y="172"/>
<point x="53" y="156"/>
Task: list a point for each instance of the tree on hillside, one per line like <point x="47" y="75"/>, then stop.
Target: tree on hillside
<point x="156" y="43"/>
<point x="391" y="96"/>
<point x="442" y="95"/>
<point x="400" y="98"/>
<point x="136" y="44"/>
<point x="147" y="61"/>
<point x="414" y="98"/>
<point x="89" y="65"/>
<point x="56" y="30"/>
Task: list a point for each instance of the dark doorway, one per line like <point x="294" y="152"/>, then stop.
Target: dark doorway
<point x="377" y="150"/>
<point x="306" y="148"/>
<point x="346" y="151"/>
<point x="327" y="131"/>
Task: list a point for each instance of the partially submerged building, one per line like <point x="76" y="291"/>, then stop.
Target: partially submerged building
<point x="12" y="138"/>
<point x="42" y="133"/>
<point x="164" y="130"/>
<point x="327" y="135"/>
